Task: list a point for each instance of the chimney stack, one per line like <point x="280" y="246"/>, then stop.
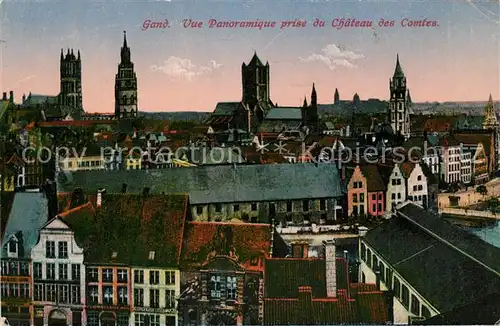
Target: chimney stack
<point x="11" y="97"/>
<point x="4" y="97"/>
<point x="331" y="268"/>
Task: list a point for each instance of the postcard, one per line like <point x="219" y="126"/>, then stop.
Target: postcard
<point x="249" y="162"/>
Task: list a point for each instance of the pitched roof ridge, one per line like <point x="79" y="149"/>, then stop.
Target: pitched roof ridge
<point x="77" y="208"/>
<point x="446" y="242"/>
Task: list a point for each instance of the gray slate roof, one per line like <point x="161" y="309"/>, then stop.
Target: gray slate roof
<point x="284" y="113"/>
<point x="421" y="247"/>
<point x="217" y="184"/>
<point x="225" y="108"/>
<point x="28" y="214"/>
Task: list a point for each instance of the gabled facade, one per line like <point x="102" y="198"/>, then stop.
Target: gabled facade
<point x="396" y="189"/>
<point x="58" y="276"/>
<point x="480" y="165"/>
<point x="416" y="183"/>
<point x="222" y="274"/>
<point x="357" y="200"/>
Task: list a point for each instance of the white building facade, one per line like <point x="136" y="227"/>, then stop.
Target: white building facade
<point x="58" y="277"/>
<point x="396" y="189"/>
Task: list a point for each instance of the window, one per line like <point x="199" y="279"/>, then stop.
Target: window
<point x="122" y="319"/>
<point x="139" y="277"/>
<point x="24" y="290"/>
<point x="51" y="292"/>
<point x="374" y="196"/>
<point x="254" y="207"/>
<point x="415" y="305"/>
<point x="75" y="272"/>
<point x="92" y="318"/>
<point x="92" y="274"/>
<point x="154" y="298"/>
<point x="380" y="207"/>
<point x="75" y="294"/>
<point x="139" y="297"/>
<point x="369" y="258"/>
<point x="393" y="196"/>
<point x="215" y="287"/>
<point x="50" y="249"/>
<point x="419" y="178"/>
<point x="362" y="197"/>
<point x="355" y="198"/>
<point x="63" y="293"/>
<point x="236" y="208"/>
<point x="63" y="271"/>
<point x="425" y="312"/>
<point x="51" y="271"/>
<point x="38" y="292"/>
<point x="122" y="276"/>
<point x="218" y="208"/>
<point x="360" y="184"/>
<point x="405" y="296"/>
<point x="232" y="287"/>
<point x="288" y="206"/>
<point x="355" y="185"/>
<point x="414" y="188"/>
<point x="107" y="275"/>
<point x="37" y="270"/>
<point x="169" y="299"/>
<point x="170" y="277"/>
<point x="322" y="204"/>
<point x="399" y="195"/>
<point x="63" y="249"/>
<point x="305" y="205"/>
<point x="420" y="187"/>
<point x="107" y="297"/>
<point x="5" y="267"/>
<point x="363" y="251"/>
<point x="122" y="295"/>
<point x="12" y="247"/>
<point x="154" y="277"/>
<point x="374" y="208"/>
<point x="379" y="196"/>
<point x="24" y="269"/>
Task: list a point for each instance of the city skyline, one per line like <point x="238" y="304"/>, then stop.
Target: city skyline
<point x="355" y="60"/>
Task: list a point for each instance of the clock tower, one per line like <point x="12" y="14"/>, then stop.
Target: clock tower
<point x="125" y="85"/>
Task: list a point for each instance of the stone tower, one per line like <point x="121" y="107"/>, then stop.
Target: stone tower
<point x="399" y="104"/>
<point x="70" y="95"/>
<point x="336" y="97"/>
<point x="490" y="117"/>
<point x="255" y="80"/>
<point x="125" y="85"/>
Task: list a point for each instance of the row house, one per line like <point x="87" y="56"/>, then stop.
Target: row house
<point x="89" y="158"/>
<point x="28" y="213"/>
<point x="396" y="188"/>
<point x="132" y="255"/>
<point x="366" y="191"/>
<point x="466" y="167"/>
<point x="288" y="193"/>
<point x="222" y="273"/>
<point x="384" y="253"/>
<point x="416" y="183"/>
<point x="450" y="150"/>
<point x="58" y="280"/>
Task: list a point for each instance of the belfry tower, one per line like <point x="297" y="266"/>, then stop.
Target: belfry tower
<point x="399" y="104"/>
<point x="125" y="85"/>
<point x="70" y="95"/>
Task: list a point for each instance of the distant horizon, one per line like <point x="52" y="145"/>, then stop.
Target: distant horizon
<point x="191" y="69"/>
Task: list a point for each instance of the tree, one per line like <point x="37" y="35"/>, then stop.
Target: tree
<point x="493" y="204"/>
<point x="482" y="190"/>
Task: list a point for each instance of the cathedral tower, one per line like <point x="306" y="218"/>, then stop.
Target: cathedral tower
<point x="125" y="85"/>
<point x="490" y="116"/>
<point x="70" y="96"/>
<point x="399" y="103"/>
<point x="255" y="80"/>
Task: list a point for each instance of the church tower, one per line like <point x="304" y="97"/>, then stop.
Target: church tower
<point x="336" y="97"/>
<point x="125" y="85"/>
<point x="255" y="80"/>
<point x="490" y="117"/>
<point x="70" y="96"/>
<point x="399" y="103"/>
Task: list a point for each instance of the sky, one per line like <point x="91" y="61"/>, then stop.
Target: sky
<point x="191" y="69"/>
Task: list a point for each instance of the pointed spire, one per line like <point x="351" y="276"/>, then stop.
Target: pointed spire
<point x="78" y="54"/>
<point x="125" y="39"/>
<point x="408" y="97"/>
<point x="490" y="101"/>
<point x="398" y="72"/>
<point x="255" y="60"/>
<point x="62" y="55"/>
<point x="305" y="102"/>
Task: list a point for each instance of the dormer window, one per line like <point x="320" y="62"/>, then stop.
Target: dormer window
<point x="114" y="254"/>
<point x="151" y="255"/>
<point x="13" y="247"/>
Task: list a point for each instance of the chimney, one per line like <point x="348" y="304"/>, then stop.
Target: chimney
<point x="362" y="231"/>
<point x="11" y="96"/>
<point x="331" y="268"/>
<point x="4" y="98"/>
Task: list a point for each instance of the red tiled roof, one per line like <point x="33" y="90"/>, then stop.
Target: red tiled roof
<point x="242" y="241"/>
